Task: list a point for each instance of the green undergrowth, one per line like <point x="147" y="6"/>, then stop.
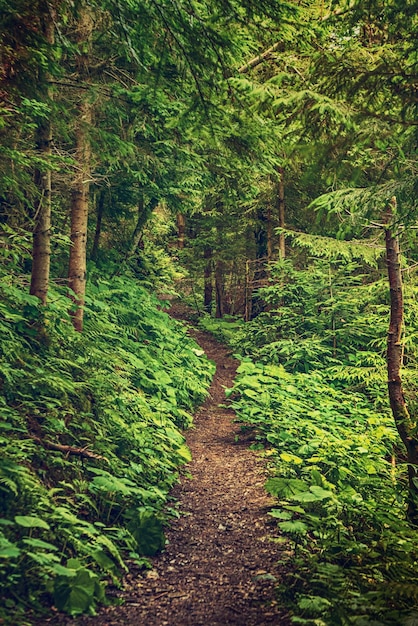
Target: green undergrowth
<point x="224" y="329"/>
<point x="312" y="388"/>
<point x="90" y="439"/>
<point x="340" y="498"/>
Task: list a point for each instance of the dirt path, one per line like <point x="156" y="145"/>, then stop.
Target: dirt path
<point x="220" y="565"/>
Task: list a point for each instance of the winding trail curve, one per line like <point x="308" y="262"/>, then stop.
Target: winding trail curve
<point x="221" y="565"/>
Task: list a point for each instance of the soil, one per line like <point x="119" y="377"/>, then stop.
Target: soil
<point x="220" y="565"/>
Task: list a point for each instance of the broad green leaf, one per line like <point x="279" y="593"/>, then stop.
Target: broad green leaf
<point x="291" y="458"/>
<point x="38" y="543"/>
<point x="321" y="492"/>
<point x="276" y="371"/>
<point x="45" y="559"/>
<point x="314" y="604"/>
<point x="103" y="560"/>
<point x="250" y="393"/>
<point x="75" y="595"/>
<point x="147" y="529"/>
<point x="8" y="550"/>
<point x="184" y="452"/>
<point x="285" y="487"/>
<point x="28" y="521"/>
<point x="279" y="514"/>
<point x="295" y="527"/>
<point x="61" y="570"/>
<point x="315" y="494"/>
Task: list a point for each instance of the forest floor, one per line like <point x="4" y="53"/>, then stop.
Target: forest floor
<point x="220" y="566"/>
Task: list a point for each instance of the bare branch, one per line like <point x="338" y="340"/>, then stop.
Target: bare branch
<point x="83" y="452"/>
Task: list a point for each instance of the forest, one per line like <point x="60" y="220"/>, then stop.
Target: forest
<point x="256" y="162"/>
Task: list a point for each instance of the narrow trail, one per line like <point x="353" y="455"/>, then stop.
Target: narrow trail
<point x="220" y="565"/>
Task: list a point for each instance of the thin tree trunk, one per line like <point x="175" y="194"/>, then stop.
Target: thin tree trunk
<point x="208" y="286"/>
<point x="77" y="267"/>
<point x="404" y="423"/>
<point x="181" y="230"/>
<point x="144" y="213"/>
<point x="99" y="219"/>
<point x="41" y="248"/>
<point x="281" y="211"/>
<point x="81" y="185"/>
<point x="269" y="234"/>
<point x="260" y="263"/>
<point x="219" y="289"/>
<point x="247" y="293"/>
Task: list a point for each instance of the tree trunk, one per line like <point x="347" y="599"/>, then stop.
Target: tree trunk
<point x="270" y="246"/>
<point x="99" y="219"/>
<point x="79" y="215"/>
<point x="41" y="248"/>
<point x="404" y="423"/>
<point x="208" y="287"/>
<point x="81" y="185"/>
<point x="247" y="293"/>
<point x="281" y="212"/>
<point x="181" y="230"/>
<point x="219" y="289"/>
<point x="144" y="213"/>
<point x="259" y="264"/>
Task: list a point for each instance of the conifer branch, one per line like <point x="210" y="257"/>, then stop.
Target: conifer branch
<point x="339" y="12"/>
<point x="259" y="58"/>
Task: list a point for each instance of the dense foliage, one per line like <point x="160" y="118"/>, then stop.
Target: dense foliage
<point x="312" y="389"/>
<point x="340" y="497"/>
<point x="90" y="436"/>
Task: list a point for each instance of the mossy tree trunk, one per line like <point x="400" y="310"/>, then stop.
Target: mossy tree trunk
<point x="81" y="184"/>
<point x="41" y="247"/>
